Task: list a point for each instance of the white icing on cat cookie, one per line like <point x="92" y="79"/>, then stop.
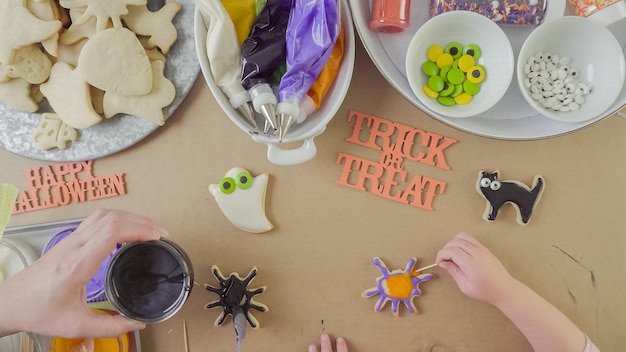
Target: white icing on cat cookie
<point x="497" y="193"/>
<point x="241" y="198"/>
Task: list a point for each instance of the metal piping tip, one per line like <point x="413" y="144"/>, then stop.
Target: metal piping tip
<point x="267" y="127"/>
<point x="269" y="112"/>
<point x="245" y="110"/>
<point x="285" y="123"/>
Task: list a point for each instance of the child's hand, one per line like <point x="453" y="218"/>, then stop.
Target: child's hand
<point x="342" y="346"/>
<point x="475" y="269"/>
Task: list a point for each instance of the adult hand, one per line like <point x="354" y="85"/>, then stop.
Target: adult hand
<point x="48" y="297"/>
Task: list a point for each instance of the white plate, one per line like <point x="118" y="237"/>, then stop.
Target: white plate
<point x="512" y="118"/>
<point x="119" y="132"/>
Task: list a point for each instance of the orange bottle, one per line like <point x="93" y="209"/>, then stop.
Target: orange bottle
<point x="390" y="16"/>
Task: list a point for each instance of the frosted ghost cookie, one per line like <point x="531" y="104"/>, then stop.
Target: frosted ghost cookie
<point x="497" y="193"/>
<point x="241" y="199"/>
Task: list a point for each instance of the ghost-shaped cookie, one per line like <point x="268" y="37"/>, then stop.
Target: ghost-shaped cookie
<point x="241" y="199"/>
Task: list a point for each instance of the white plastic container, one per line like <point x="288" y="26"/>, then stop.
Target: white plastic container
<point x="15" y="255"/>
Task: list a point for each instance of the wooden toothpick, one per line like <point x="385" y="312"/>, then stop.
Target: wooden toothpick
<point x="427" y="267"/>
<point x="186" y="336"/>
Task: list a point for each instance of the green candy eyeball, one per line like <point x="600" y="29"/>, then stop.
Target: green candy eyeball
<point x="447" y="90"/>
<point x="455" y="49"/>
<point x="472" y="50"/>
<point x="244" y="180"/>
<point x="458" y="89"/>
<point x="447" y="101"/>
<point x="227" y="185"/>
<point x="430" y="68"/>
<point x="436" y="83"/>
<point x="471" y="88"/>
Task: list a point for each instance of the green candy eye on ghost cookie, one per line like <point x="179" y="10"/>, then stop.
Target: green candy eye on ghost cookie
<point x="241" y="198"/>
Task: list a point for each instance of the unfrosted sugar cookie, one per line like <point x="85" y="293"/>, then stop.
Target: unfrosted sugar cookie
<point x="397" y="286"/>
<point x="497" y="193"/>
<point x="241" y="198"/>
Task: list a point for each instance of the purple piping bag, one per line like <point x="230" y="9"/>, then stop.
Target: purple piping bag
<point x="311" y="34"/>
<point x="224" y="55"/>
<point x="262" y="52"/>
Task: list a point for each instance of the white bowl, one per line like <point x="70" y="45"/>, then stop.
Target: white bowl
<point x="465" y="28"/>
<point x="593" y="51"/>
<point x="313" y="125"/>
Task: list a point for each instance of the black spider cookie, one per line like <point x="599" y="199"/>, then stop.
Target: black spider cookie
<point x="235" y="298"/>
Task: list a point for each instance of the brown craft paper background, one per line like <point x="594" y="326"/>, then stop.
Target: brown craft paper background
<point x="317" y="260"/>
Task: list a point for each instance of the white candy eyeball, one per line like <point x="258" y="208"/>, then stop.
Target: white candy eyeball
<point x="495" y="185"/>
<point x="485" y="182"/>
<point x="547" y="56"/>
<point x="573" y="72"/>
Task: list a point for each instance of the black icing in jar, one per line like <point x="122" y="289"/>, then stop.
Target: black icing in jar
<point x="149" y="281"/>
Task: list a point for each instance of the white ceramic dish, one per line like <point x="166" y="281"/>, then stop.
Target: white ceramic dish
<point x="314" y="124"/>
<point x="512" y="118"/>
<point x="119" y="132"/>
<point x="465" y="28"/>
<point x="594" y="53"/>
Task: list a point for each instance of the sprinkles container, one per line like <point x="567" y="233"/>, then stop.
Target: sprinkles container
<point x="512" y="12"/>
<point x="603" y="12"/>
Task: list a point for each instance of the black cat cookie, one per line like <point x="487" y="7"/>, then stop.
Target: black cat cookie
<point x="497" y="193"/>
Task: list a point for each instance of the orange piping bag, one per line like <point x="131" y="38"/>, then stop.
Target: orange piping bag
<point x="320" y="87"/>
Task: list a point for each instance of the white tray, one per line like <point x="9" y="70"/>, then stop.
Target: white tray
<point x="37" y="236"/>
<point x="512" y="118"/>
